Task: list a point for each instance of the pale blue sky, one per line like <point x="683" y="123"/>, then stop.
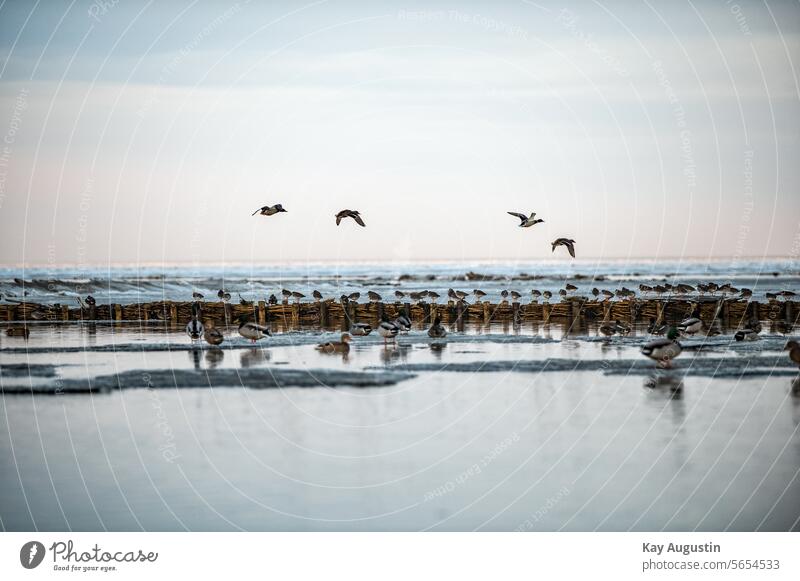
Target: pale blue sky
<point x="149" y="132"/>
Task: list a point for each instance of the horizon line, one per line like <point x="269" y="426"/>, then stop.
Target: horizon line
<point x="324" y="261"/>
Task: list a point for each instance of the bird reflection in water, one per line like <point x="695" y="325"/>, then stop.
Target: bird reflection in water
<point x="214" y="357"/>
<point x="194" y="357"/>
<point x="399" y="353"/>
<point x="437" y="349"/>
<point x="665" y="383"/>
<point x="253" y="357"/>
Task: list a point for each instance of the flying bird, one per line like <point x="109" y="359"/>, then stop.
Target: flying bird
<point x="568" y="242"/>
<point x="526" y="221"/>
<point x="349" y="214"/>
<point x="269" y="210"/>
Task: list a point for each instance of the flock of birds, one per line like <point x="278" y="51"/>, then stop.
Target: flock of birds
<point x="196" y="329"/>
<point x="726" y="291"/>
<point x="662" y="350"/>
<point x="526" y="221"/>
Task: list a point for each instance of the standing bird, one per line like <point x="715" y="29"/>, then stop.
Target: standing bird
<point x="90" y="301"/>
<point x="535" y="294"/>
<point x="547" y="295"/>
<point x="399" y="295"/>
<point x="195" y="328"/>
<point x="479" y="294"/>
<point x="212" y="335"/>
<point x="433" y="296"/>
<point x="374" y="297"/>
<point x="567" y="242"/>
<point x="515" y="296"/>
<point x="197" y="296"/>
<point x="360" y="329"/>
<point x="793" y="347"/>
<point x="387" y="330"/>
<point x="437" y="331"/>
<point x="664" y="350"/>
<point x="269" y="210"/>
<point x="349" y="214"/>
<point x="690" y="326"/>
<point x="354" y="296"/>
<point x="223" y="295"/>
<point x="526" y="221"/>
<point x="297" y="296"/>
<point x="252" y="331"/>
<point x="402" y="323"/>
<point x="571" y="287"/>
<point x="317" y="295"/>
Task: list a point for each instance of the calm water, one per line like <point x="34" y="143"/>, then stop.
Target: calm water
<point x="441" y="451"/>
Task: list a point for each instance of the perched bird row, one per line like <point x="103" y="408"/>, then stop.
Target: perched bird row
<point x="479" y="295"/>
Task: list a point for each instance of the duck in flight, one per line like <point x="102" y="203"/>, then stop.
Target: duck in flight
<point x="349" y="214"/>
<point x="269" y="210"/>
<point x="566" y="242"/>
<point x="526" y="221"/>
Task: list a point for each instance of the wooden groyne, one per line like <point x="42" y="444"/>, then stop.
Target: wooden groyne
<point x="331" y="314"/>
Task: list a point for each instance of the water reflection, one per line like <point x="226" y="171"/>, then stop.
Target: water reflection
<point x="671" y="385"/>
<point x="437" y="349"/>
<point x="395" y="355"/>
<point x="214" y="357"/>
<point x="253" y="357"/>
<point x="194" y="357"/>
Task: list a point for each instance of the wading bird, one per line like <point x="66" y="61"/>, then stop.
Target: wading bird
<point x="664" y="350"/>
<point x="212" y="335"/>
<point x="437" y="331"/>
<point x="252" y="331"/>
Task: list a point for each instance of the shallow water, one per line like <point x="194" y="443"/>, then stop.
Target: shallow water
<point x="440" y="450"/>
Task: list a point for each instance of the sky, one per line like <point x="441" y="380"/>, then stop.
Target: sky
<point x="148" y="132"/>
